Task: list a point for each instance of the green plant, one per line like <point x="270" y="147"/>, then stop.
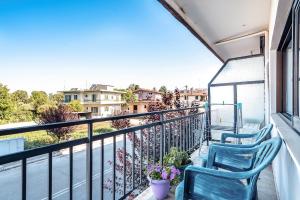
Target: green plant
<point x="177" y="158"/>
<point x="75" y="106"/>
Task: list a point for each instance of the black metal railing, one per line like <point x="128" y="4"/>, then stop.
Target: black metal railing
<point x="140" y="145"/>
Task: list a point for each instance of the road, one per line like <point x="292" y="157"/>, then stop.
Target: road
<point x="37" y="177"/>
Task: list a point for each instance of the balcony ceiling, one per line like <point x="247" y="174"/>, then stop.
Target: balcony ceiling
<point x="230" y="28"/>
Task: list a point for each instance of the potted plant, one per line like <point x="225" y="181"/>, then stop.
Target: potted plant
<point x="161" y="179"/>
<point x="179" y="159"/>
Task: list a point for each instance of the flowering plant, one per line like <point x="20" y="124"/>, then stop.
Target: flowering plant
<point x="156" y="172"/>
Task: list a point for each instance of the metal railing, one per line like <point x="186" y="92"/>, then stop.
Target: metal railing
<point x="140" y="145"/>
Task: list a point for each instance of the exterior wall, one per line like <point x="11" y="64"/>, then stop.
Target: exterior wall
<point x="192" y="98"/>
<point x="286" y="166"/>
<point x="141" y="107"/>
<point x="11" y="146"/>
<point x="107" y="102"/>
<point x="148" y="95"/>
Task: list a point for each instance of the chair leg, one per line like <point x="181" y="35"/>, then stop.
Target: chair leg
<point x="255" y="195"/>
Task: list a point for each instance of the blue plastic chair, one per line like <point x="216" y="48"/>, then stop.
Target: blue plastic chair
<point x="238" y="162"/>
<point x="211" y="184"/>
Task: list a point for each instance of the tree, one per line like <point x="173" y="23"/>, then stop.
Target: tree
<point x="20" y="96"/>
<point x="167" y="99"/>
<point x="177" y="99"/>
<point x="163" y="89"/>
<point x="6" y="105"/>
<point x="120" y="123"/>
<point x="22" y="112"/>
<point x="62" y="113"/>
<point x="75" y="106"/>
<point x="57" y="98"/>
<point x="129" y="96"/>
<point x="38" y="98"/>
<point x="133" y="87"/>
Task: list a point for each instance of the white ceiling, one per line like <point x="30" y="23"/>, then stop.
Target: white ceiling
<point x="222" y="20"/>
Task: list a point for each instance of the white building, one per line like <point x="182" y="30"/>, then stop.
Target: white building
<point x="101" y="100"/>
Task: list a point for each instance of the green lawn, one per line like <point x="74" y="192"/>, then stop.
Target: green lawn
<point x="42" y="138"/>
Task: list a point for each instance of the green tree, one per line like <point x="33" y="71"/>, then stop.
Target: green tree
<point x="38" y="98"/>
<point x="20" y="96"/>
<point x="6" y="104"/>
<point x="133" y="87"/>
<point x="22" y="113"/>
<point x="163" y="89"/>
<point x="75" y="106"/>
<point x="129" y="96"/>
<point x="57" y="98"/>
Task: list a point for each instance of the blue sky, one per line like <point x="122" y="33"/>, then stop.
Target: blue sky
<point x="55" y="44"/>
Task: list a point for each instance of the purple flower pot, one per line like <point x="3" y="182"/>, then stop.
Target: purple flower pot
<point x="160" y="188"/>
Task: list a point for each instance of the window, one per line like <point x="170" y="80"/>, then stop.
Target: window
<point x="289" y="47"/>
<point x="67" y="98"/>
<point x="106" y="97"/>
<point x="287" y="78"/>
<point x="94" y="97"/>
<point x="145" y="106"/>
<point x="196" y="97"/>
<point x="94" y="109"/>
<point x="106" y="109"/>
<point x="75" y="97"/>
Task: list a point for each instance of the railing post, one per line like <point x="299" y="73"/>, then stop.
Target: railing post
<point x="89" y="162"/>
<point x="162" y="134"/>
<point x="207" y="122"/>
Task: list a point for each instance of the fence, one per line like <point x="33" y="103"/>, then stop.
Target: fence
<point x="138" y="146"/>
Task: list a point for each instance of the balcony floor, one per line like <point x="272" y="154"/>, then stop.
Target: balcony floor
<point x="265" y="183"/>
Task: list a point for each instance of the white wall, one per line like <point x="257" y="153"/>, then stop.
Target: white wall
<point x="286" y="166"/>
<point x="11" y="146"/>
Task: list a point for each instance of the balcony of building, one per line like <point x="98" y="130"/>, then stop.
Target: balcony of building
<point x="241" y="97"/>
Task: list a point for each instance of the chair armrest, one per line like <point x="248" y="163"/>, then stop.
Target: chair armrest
<point x="217" y="173"/>
<point x="214" y="149"/>
<point x="238" y="136"/>
<point x="235" y="145"/>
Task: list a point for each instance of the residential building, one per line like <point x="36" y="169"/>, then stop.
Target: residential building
<point x="143" y="97"/>
<point x="190" y="97"/>
<point x="101" y="100"/>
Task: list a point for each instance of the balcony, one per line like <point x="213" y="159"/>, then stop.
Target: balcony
<point x="94" y="166"/>
<point x="103" y="101"/>
<point x="250" y="37"/>
<point x="83" y="168"/>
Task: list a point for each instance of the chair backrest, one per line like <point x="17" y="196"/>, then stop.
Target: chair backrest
<point x="263" y="134"/>
<point x="266" y="152"/>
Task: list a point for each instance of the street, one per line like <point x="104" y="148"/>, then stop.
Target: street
<point x="37" y="176"/>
